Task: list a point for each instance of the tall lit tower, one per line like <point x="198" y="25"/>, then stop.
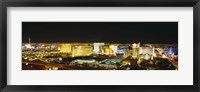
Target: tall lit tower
<point x="135" y="50"/>
<point x="29" y="44"/>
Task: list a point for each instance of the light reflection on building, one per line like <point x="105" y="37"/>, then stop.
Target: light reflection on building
<point x="81" y="51"/>
<point x="66" y="48"/>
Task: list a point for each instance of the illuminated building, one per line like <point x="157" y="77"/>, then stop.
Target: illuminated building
<point x="108" y="50"/>
<point x="147" y="50"/>
<point x="127" y="53"/>
<point x="66" y="48"/>
<point x="122" y="48"/>
<point x="81" y="51"/>
<point x="97" y="47"/>
<point x="135" y="50"/>
<point x="113" y="48"/>
<point x="171" y="51"/>
<point x="53" y="47"/>
<point x="121" y="51"/>
<point x="29" y="46"/>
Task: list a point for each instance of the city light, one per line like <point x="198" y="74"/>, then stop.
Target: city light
<point x="98" y="56"/>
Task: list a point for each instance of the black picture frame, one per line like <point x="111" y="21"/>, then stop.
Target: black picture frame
<point x="98" y="3"/>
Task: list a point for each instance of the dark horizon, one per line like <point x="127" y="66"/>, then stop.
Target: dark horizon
<point x="107" y="32"/>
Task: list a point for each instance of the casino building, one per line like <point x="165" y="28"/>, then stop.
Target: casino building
<point x="135" y="50"/>
<point x="81" y="50"/>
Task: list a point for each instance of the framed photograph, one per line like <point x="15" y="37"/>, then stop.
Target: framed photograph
<point x="99" y="45"/>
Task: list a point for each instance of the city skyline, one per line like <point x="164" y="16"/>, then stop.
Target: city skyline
<point x="109" y="32"/>
<point x="99" y="56"/>
<point x="99" y="45"/>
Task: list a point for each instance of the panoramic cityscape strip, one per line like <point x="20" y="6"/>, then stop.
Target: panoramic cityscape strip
<point x="100" y="46"/>
<point x="99" y="56"/>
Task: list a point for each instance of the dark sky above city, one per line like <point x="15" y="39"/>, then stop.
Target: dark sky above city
<point x="108" y="32"/>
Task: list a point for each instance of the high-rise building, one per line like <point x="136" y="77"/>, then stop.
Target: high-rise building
<point x="97" y="47"/>
<point x="66" y="48"/>
<point x="113" y="48"/>
<point x="108" y="49"/>
<point x="135" y="50"/>
<point x="81" y="51"/>
<point x="127" y="53"/>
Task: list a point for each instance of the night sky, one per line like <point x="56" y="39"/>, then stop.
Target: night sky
<point x="108" y="32"/>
